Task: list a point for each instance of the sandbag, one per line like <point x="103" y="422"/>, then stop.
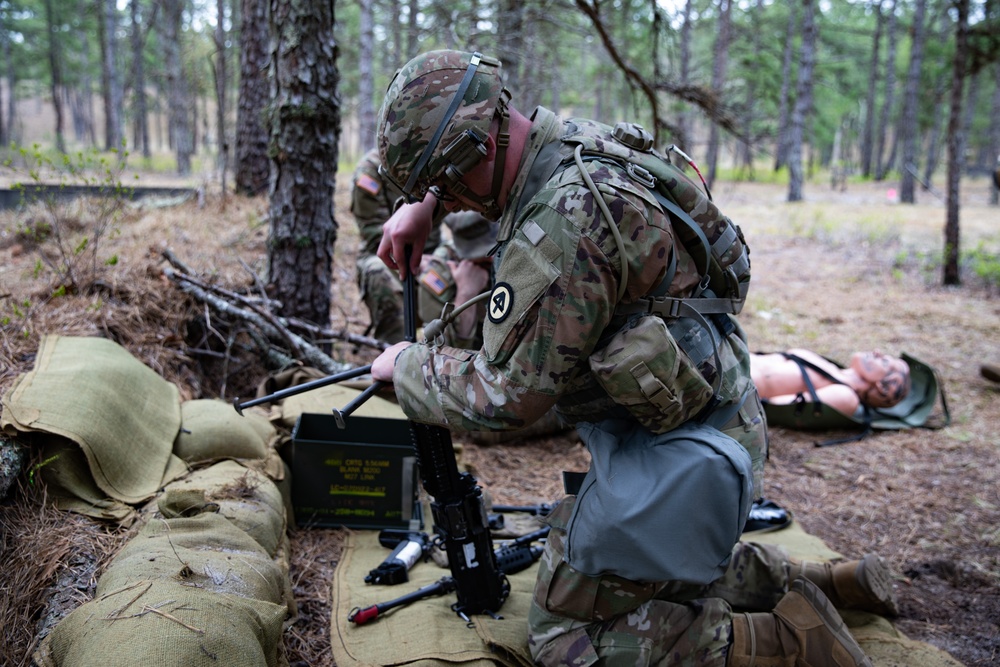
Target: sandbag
<point x="204" y="582"/>
<point x="121" y="413"/>
<point x="212" y="429"/>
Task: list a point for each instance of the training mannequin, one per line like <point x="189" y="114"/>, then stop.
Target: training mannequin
<point x="872" y="378"/>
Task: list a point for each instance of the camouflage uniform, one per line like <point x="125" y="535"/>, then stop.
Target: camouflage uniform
<point x="372" y="199"/>
<point x="577" y="620"/>
<point x="437" y="289"/>
<point x="473" y="237"/>
<point x="557" y="284"/>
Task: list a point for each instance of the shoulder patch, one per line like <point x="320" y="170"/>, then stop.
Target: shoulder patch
<point x="501" y="303"/>
<point x="433" y="281"/>
<point x="368" y="184"/>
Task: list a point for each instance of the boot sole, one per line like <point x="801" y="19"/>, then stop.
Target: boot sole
<point x="874" y="575"/>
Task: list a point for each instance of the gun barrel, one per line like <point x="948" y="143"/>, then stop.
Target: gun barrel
<point x="301" y="388"/>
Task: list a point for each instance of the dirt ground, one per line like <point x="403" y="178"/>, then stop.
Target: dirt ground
<point x="840" y="272"/>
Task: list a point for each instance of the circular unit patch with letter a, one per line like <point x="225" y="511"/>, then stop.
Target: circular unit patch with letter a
<point x="500" y="303"/>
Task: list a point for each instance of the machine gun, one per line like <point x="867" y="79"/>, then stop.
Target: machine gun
<point x="457" y="505"/>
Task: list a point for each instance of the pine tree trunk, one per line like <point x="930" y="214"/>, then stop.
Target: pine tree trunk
<point x="55" y="67"/>
<point x="995" y="136"/>
<point x="139" y="110"/>
<point x="956" y="145"/>
<point x="718" y="81"/>
<point x="908" y="121"/>
<point x="305" y="129"/>
<point x="868" y="131"/>
<point x="803" y="101"/>
<point x="221" y="83"/>
<point x="686" y="138"/>
<point x="412" y="30"/>
<point x="178" y="99"/>
<point x="110" y="79"/>
<point x="253" y="166"/>
<point x="781" y="150"/>
<point x="881" y="167"/>
<point x="366" y="79"/>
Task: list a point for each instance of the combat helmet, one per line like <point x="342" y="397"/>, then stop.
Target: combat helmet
<point x="434" y="122"/>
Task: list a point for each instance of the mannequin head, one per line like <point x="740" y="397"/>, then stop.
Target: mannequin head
<point x="884" y="380"/>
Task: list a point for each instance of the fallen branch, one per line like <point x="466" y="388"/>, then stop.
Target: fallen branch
<point x="267" y="330"/>
<point x="271" y="327"/>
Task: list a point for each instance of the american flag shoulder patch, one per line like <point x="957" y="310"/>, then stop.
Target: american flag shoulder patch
<point x="434" y="282"/>
<point x="369" y="184"/>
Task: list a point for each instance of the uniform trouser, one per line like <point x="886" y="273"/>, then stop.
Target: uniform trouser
<point x="578" y="620"/>
<point x="383" y="294"/>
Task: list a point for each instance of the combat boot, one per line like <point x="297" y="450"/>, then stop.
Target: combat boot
<point x="804" y="630"/>
<point x="864" y="584"/>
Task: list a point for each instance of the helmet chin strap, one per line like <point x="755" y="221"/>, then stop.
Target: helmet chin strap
<point x="492" y="207"/>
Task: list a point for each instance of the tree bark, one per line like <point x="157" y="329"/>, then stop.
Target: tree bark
<point x="908" y="121"/>
<point x="748" y="147"/>
<point x="253" y="166"/>
<point x="81" y="101"/>
<point x="55" y="67"/>
<point x="781" y="150"/>
<point x="366" y="78"/>
<point x="305" y="129"/>
<point x="221" y="83"/>
<point x="140" y="110"/>
<point x="956" y="142"/>
<point x="110" y="78"/>
<point x="995" y="135"/>
<point x="510" y="46"/>
<point x="684" y="131"/>
<point x="868" y="130"/>
<point x="881" y="167"/>
<point x="412" y="30"/>
<point x="396" y="28"/>
<point x="803" y="100"/>
<point x="718" y="81"/>
<point x="178" y="97"/>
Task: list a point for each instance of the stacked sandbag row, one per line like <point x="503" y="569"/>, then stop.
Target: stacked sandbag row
<point x="204" y="582"/>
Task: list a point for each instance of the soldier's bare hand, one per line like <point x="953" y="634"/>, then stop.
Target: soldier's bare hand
<point x="410" y="226"/>
<point x="383" y="365"/>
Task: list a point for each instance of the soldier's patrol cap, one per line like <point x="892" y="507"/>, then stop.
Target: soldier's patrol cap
<point x="473" y="235"/>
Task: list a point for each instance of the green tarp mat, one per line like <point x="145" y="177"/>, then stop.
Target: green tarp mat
<point x="427" y="633"/>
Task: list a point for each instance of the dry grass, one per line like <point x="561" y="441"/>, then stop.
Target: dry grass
<point x="825" y="277"/>
<point x="51" y="563"/>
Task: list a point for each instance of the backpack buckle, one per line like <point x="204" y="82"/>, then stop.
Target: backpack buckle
<point x="641" y="175"/>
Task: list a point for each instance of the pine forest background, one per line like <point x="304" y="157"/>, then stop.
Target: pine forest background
<point x="866" y="84"/>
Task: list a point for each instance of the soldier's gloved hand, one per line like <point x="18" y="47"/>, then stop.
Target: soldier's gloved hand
<point x="383" y="365"/>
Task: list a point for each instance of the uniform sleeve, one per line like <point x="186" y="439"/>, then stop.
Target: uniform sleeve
<point x="555" y="293"/>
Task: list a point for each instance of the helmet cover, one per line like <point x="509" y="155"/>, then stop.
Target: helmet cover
<point x="417" y="103"/>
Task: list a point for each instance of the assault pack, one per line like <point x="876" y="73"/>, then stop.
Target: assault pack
<point x="671" y="360"/>
<point x="713" y="240"/>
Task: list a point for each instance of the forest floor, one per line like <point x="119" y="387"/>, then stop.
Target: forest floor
<point x="842" y="271"/>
